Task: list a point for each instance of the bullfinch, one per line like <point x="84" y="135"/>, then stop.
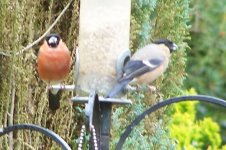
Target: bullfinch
<point x="53" y="65"/>
<point x="145" y="65"/>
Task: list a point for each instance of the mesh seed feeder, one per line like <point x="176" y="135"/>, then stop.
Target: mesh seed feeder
<point x="103" y="43"/>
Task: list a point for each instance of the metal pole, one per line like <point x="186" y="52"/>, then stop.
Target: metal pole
<point x="105" y="108"/>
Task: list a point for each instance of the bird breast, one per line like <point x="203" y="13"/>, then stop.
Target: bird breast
<point x="53" y="65"/>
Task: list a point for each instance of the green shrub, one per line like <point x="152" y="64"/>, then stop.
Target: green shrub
<point x="155" y="137"/>
<point x="190" y="133"/>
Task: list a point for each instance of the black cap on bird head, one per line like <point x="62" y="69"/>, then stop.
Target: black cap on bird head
<point x="171" y="45"/>
<point x="53" y="40"/>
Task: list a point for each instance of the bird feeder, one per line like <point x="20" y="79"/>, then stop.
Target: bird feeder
<point x="103" y="39"/>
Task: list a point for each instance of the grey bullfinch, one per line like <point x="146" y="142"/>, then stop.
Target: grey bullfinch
<point x="53" y="65"/>
<point x="145" y="65"/>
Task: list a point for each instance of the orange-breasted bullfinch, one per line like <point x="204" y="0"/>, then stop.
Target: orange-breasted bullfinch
<point x="145" y="65"/>
<point x="53" y="65"/>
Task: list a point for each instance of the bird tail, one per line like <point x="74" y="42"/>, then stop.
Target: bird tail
<point x="54" y="99"/>
<point x="117" y="89"/>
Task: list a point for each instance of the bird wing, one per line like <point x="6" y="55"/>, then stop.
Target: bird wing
<point x="135" y="68"/>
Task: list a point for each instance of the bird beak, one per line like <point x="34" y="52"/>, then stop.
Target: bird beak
<point x="174" y="47"/>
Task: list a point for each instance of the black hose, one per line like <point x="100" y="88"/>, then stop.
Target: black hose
<point x="163" y="103"/>
<point x="55" y="137"/>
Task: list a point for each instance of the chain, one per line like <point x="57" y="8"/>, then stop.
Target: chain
<point x="94" y="137"/>
<point x="82" y="135"/>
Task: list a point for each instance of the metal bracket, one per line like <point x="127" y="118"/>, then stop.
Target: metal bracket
<point x="98" y="115"/>
<point x="79" y="99"/>
<point x="92" y="113"/>
<point x="62" y="87"/>
<point x="122" y="59"/>
<point x="77" y="68"/>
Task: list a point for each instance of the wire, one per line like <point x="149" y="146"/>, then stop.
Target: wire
<point x="43" y="35"/>
<point x="5" y="54"/>
<point x="47" y="31"/>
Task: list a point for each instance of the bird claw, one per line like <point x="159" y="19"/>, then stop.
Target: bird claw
<point x="152" y="88"/>
<point x="62" y="86"/>
<point x="148" y="88"/>
<point x="49" y="87"/>
<point x="131" y="88"/>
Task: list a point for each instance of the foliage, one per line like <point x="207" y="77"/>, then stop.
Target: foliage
<point x="156" y="137"/>
<point x="206" y="59"/>
<point x="208" y="48"/>
<point x="142" y="14"/>
<point x="190" y="133"/>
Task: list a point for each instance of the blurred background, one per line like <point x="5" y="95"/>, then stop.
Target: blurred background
<point x="206" y="59"/>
